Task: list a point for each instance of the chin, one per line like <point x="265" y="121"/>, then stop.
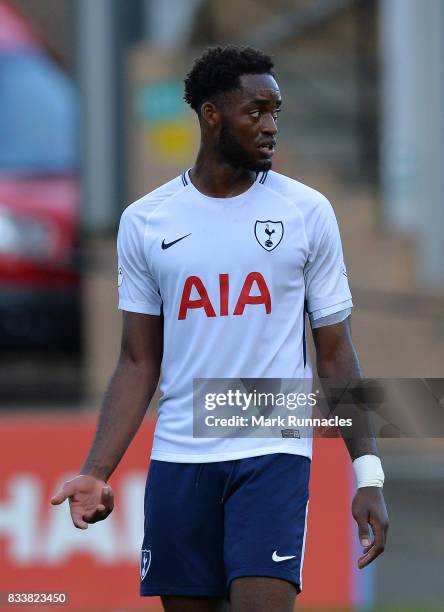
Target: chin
<point x="259" y="165"/>
<point x="266" y="165"/>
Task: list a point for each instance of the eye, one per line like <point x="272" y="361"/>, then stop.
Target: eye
<point x="256" y="114"/>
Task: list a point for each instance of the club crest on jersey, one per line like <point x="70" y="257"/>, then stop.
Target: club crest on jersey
<point x="145" y="562"/>
<point x="269" y="233"/>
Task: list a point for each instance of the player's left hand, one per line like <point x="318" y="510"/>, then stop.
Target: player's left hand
<point x="368" y="508"/>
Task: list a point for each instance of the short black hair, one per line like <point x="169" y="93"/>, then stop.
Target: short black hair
<point x="218" y="70"/>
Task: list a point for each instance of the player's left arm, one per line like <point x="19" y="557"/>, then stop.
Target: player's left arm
<point x="336" y="358"/>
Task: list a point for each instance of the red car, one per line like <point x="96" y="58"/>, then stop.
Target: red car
<point x="39" y="276"/>
<point x="39" y="194"/>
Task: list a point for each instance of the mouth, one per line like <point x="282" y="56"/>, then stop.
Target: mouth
<point x="267" y="149"/>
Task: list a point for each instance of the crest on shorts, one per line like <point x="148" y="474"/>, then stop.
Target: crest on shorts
<point x="145" y="562"/>
<point x="269" y="233"/>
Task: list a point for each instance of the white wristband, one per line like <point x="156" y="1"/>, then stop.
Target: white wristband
<point x="368" y="471"/>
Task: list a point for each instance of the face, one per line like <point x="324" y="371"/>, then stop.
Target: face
<point x="248" y="128"/>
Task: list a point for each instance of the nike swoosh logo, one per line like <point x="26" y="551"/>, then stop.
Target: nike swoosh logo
<point x="167" y="245"/>
<point x="277" y="558"/>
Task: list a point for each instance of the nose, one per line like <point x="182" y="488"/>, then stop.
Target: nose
<point x="269" y="125"/>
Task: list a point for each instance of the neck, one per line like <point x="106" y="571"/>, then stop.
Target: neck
<point x="216" y="178"/>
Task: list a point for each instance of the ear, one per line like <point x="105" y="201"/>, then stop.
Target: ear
<point x="210" y="114"/>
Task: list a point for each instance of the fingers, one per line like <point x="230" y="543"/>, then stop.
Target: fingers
<point x="107" y="498"/>
<point x="102" y="510"/>
<point x="79" y="522"/>
<point x="88" y="502"/>
<point x="66" y="491"/>
<point x="365" y="540"/>
<point x="369" y="556"/>
<point x="363" y="530"/>
<point x="368" y="507"/>
<point x="377" y="547"/>
<point x="98" y="514"/>
<point x="364" y="536"/>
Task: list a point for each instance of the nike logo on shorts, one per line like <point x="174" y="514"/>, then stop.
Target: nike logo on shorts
<point x="277" y="558"/>
<point x="167" y="245"/>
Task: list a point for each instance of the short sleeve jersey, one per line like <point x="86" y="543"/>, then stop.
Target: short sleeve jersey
<point x="233" y="278"/>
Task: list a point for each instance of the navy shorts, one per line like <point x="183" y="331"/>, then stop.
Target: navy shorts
<point x="209" y="523"/>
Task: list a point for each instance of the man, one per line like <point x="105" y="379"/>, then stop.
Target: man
<point x="214" y="270"/>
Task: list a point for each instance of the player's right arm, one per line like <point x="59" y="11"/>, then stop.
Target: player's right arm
<point x="124" y="405"/>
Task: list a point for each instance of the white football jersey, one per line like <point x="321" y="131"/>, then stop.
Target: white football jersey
<point x="233" y="277"/>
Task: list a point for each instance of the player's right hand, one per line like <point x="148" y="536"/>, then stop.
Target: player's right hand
<point x="90" y="499"/>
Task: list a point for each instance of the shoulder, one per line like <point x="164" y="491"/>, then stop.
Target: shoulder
<point x="304" y="197"/>
<point x="300" y="194"/>
<point x="144" y="207"/>
<point x="316" y="210"/>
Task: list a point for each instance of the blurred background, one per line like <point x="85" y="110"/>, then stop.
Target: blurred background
<point x="91" y="118"/>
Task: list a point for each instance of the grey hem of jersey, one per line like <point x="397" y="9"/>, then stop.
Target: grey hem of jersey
<point x="336" y="317"/>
